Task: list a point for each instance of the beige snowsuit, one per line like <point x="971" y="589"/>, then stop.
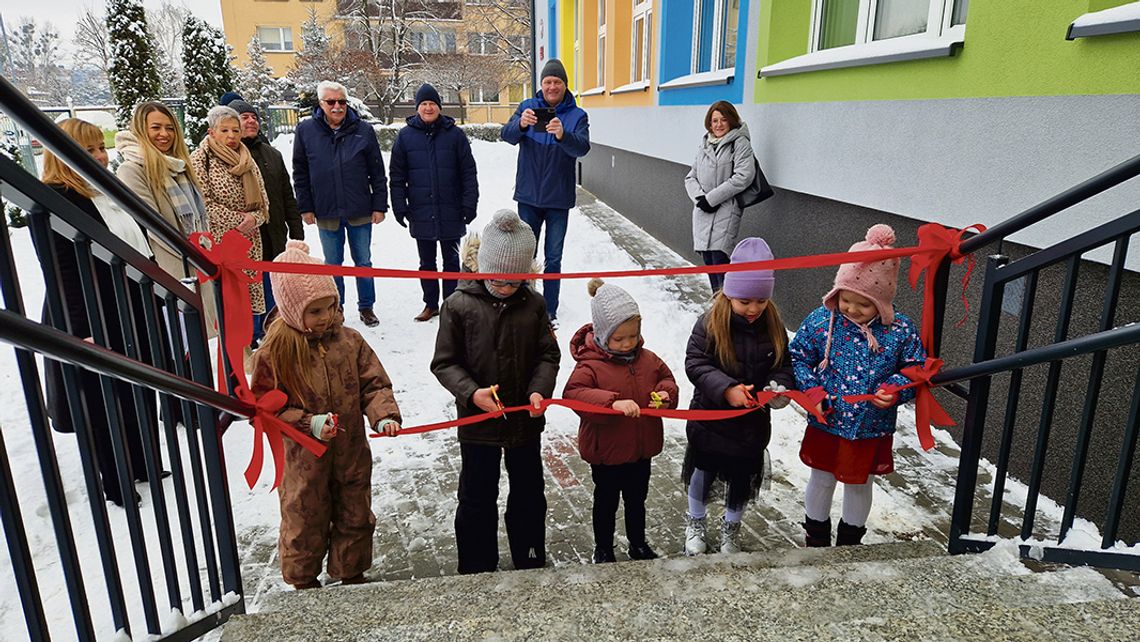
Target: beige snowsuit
<point x="326" y="502"/>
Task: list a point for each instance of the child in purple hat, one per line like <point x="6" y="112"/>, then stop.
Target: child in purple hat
<point x="737" y="345"/>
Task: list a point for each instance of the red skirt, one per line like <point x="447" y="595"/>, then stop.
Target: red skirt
<point x="851" y="461"/>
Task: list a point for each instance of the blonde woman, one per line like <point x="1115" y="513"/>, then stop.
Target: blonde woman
<point x="234" y="191"/>
<point x="59" y="247"/>
<point x="156" y="166"/>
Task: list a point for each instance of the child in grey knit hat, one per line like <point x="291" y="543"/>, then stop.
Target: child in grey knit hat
<point x="495" y="348"/>
<point x="615" y="371"/>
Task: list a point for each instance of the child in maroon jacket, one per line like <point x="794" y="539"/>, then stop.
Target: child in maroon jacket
<point x="615" y="371"/>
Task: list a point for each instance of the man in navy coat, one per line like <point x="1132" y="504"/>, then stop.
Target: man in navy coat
<point x="435" y="190"/>
<point x="548" y="153"/>
<point x="338" y="175"/>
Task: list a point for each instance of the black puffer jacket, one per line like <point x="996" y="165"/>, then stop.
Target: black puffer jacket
<point x="284" y="219"/>
<point x="484" y="341"/>
<point x="745" y="436"/>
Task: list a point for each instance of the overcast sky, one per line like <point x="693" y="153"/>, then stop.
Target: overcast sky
<point x="64" y="13"/>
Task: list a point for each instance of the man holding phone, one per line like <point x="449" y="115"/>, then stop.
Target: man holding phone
<point x="551" y="132"/>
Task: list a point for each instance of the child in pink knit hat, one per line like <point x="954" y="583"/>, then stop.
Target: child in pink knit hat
<point x="853" y="344"/>
<point x="335" y="384"/>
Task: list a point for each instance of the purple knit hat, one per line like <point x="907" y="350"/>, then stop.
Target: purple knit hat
<point x="753" y="284"/>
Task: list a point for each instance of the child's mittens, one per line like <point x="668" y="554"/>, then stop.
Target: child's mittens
<point x="323" y="427"/>
<point x="779" y="401"/>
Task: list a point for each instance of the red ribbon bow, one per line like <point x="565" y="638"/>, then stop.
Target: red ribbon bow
<point x="936" y="243"/>
<point x="266" y="423"/>
<point x="927" y="410"/>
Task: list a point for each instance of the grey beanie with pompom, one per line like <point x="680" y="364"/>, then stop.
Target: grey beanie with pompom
<point x="507" y="245"/>
<point x="610" y="307"/>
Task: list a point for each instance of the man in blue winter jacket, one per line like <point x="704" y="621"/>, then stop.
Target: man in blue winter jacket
<point x="338" y="175"/>
<point x="551" y="132"/>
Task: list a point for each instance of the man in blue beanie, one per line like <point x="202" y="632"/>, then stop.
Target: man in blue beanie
<point x="552" y="132"/>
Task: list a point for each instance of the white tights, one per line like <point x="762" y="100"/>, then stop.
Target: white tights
<point x="821" y="489"/>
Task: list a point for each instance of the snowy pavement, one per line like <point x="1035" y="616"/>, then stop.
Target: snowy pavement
<point x="415" y="477"/>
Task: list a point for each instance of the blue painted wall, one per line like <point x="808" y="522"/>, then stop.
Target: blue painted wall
<point x="674" y="51"/>
<point x="552" y="31"/>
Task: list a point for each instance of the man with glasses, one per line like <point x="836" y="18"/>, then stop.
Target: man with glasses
<point x="339" y="178"/>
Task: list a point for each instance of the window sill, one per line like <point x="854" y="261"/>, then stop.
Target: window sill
<point x="703" y="79"/>
<point x="1122" y="19"/>
<point x="872" y="53"/>
<point x="640" y="85"/>
<point x="596" y="91"/>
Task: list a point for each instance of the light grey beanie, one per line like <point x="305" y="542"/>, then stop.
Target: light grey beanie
<point x="507" y="245"/>
<point x="610" y="307"/>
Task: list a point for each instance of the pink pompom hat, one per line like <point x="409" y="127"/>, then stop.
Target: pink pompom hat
<point x="877" y="280"/>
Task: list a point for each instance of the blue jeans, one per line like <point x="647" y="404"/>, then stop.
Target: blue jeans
<point x="556" y="223"/>
<point x="715" y="257"/>
<point x="450" y="251"/>
<point x="360" y="247"/>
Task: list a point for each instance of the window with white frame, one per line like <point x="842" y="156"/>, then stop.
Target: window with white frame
<point x="642" y="40"/>
<point x="481" y="43"/>
<point x="715" y="25"/>
<point x="434" y="41"/>
<point x="485" y="94"/>
<point x="840" y="23"/>
<point x="275" y="38"/>
<point x="601" y="44"/>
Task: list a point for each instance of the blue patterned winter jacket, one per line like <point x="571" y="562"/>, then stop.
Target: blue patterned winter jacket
<point x="854" y="370"/>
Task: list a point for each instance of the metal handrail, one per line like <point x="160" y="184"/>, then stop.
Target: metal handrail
<point x="1105" y="180"/>
<point x="17" y="330"/>
<point x="1114" y="338"/>
<point x="20" y="109"/>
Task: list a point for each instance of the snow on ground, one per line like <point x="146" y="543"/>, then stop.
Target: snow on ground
<point x="405" y="348"/>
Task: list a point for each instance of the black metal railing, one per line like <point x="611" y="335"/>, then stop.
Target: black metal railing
<point x="129" y="345"/>
<point x="1111" y="336"/>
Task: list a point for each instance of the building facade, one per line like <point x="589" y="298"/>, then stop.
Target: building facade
<point x="470" y="33"/>
<point x="868" y="111"/>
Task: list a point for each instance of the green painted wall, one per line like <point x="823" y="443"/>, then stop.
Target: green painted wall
<point x="1097" y="5"/>
<point x="1012" y="48"/>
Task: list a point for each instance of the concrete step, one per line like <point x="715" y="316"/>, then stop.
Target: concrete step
<point x="773" y="595"/>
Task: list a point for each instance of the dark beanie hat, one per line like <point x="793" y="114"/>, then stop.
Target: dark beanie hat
<point x="427" y="92"/>
<point x="242" y="107"/>
<point x="229" y="97"/>
<point x="553" y="67"/>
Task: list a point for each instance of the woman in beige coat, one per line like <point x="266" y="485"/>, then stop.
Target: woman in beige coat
<point x="156" y="167"/>
<point x="234" y="192"/>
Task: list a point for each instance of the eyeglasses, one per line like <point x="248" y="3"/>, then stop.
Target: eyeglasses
<point x="504" y="284"/>
<point x="335" y="101"/>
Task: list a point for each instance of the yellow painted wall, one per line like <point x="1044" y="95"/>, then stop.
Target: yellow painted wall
<point x="240" y="18"/>
<point x="566" y="41"/>
<point x="619" y="48"/>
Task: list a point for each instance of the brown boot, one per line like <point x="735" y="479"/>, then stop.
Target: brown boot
<point x="427" y="314"/>
<point x="311" y="584"/>
<point x="355" y="579"/>
<point x="369" y="318"/>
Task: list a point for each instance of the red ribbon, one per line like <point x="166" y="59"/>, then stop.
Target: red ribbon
<point x="927" y="410"/>
<point x="936" y="243"/>
<point x="762" y="398"/>
<point x="266" y="423"/>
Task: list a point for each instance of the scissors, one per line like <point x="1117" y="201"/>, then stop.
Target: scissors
<point x="655" y="400"/>
<point x="495" y="396"/>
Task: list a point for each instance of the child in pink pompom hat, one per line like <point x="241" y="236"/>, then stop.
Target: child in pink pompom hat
<point x="337" y="389"/>
<point x="853" y="344"/>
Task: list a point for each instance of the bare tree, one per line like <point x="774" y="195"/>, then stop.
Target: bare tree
<point x="464" y="72"/>
<point x="165" y="25"/>
<point x="92" y="46"/>
<point x="34" y="50"/>
<point x="510" y="21"/>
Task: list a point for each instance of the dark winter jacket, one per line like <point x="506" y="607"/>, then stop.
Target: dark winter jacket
<point x="546" y="172"/>
<point x="745" y="436"/>
<point x="854" y="370"/>
<point x="338" y="174"/>
<point x="284" y="217"/>
<point x="434" y="184"/>
<point x="601" y="379"/>
<point x="484" y="341"/>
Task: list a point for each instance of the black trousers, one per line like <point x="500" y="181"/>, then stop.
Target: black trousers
<point x="449" y="248"/>
<point x="631" y="483"/>
<point x="477" y="518"/>
<point x="715" y="257"/>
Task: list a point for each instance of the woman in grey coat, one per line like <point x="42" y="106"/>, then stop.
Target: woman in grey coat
<point x="724" y="167"/>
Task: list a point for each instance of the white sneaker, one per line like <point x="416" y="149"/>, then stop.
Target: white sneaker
<point x="729" y="536"/>
<point x="695" y="534"/>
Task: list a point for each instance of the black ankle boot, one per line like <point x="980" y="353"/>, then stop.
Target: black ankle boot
<point x="848" y="535"/>
<point x="604" y="554"/>
<point x="641" y="552"/>
<point x="817" y="534"/>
